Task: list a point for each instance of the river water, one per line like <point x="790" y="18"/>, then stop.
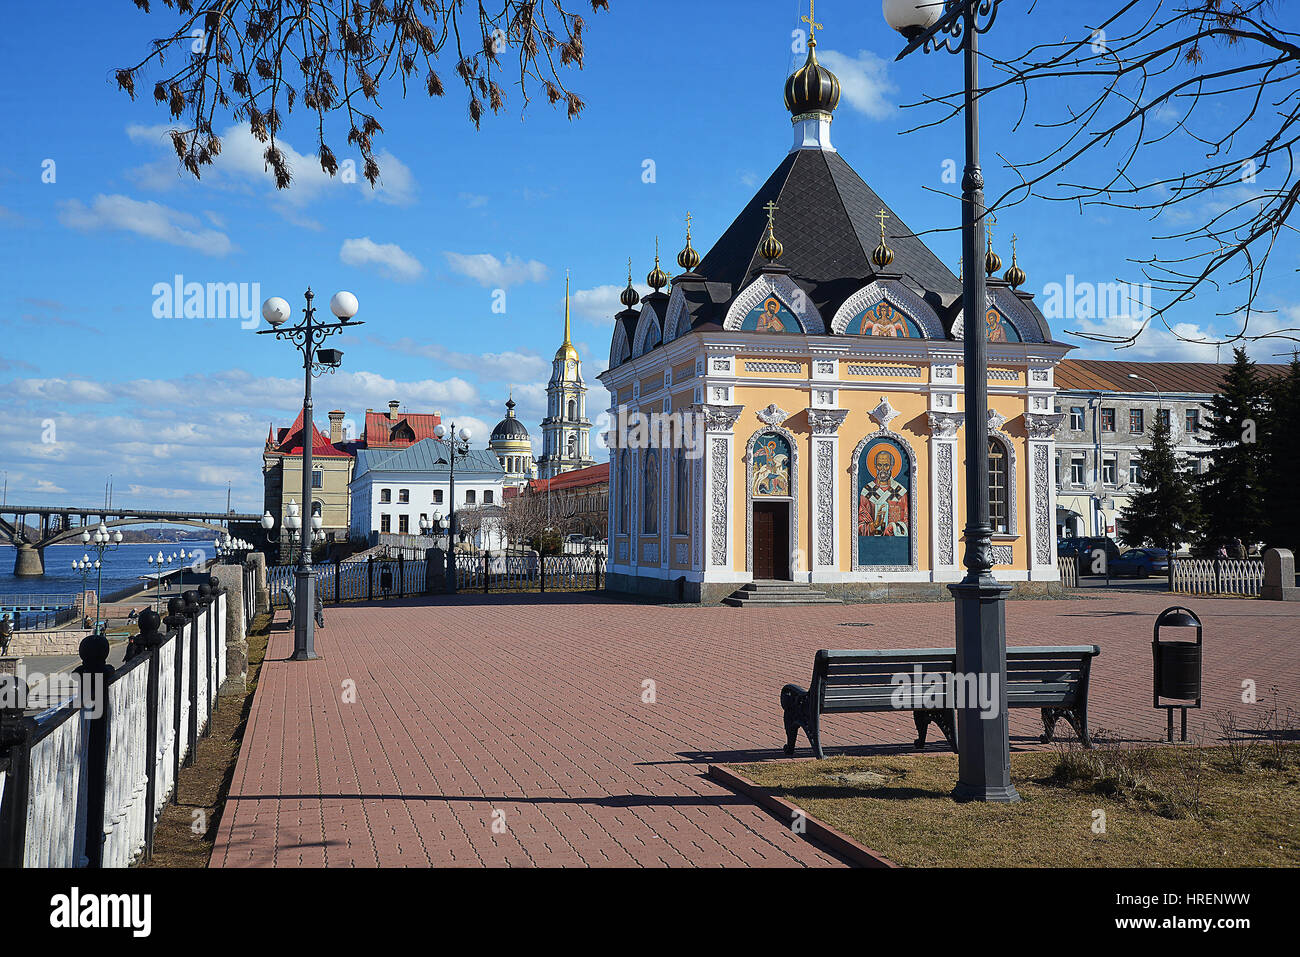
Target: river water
<point x="123" y="566"/>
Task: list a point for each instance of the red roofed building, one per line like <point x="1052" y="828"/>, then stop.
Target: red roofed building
<point x="331" y="473"/>
<point x="398" y="430"/>
<point x="579" y="499"/>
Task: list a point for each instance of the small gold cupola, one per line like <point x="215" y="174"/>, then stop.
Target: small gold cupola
<point x="566" y="350"/>
<point x="882" y="256"/>
<point x="1015" y="276"/>
<point x="770" y="248"/>
<point x="629" y="297"/>
<point x="992" y="261"/>
<point x="657" y="278"/>
<point x="688" y="258"/>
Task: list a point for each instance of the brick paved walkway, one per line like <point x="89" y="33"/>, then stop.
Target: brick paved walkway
<point x="529" y="711"/>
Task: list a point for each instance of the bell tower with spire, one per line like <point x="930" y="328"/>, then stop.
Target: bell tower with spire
<point x="566" y="431"/>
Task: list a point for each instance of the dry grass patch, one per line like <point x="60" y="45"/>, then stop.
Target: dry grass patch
<point x="1184" y="806"/>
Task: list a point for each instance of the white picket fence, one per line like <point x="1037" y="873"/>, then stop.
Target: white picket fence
<point x="1218" y="576"/>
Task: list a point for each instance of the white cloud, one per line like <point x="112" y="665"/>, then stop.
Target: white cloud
<point x="1181" y="341"/>
<point x="864" y="84"/>
<point x="601" y="303"/>
<point x="391" y="259"/>
<point x="144" y="218"/>
<point x="473" y="200"/>
<point x="242" y="162"/>
<point x="511" y="366"/>
<point x="486" y="270"/>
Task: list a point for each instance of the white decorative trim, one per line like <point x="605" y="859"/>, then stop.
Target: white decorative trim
<point x="943" y="503"/>
<point x="944" y="425"/>
<point x="647" y="325"/>
<point x="885" y="433"/>
<point x="826" y="421"/>
<point x="785" y="289"/>
<point x="794" y="497"/>
<point x="772" y="415"/>
<point x="618" y="345"/>
<point x="900" y="372"/>
<point x="996" y="420"/>
<point x="884" y="413"/>
<point x="1043" y="427"/>
<point x="1013" y="490"/>
<point x="773" y="365"/>
<point x="673" y="315"/>
<point x="872" y="294"/>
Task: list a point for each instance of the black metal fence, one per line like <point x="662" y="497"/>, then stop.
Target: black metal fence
<point x="83" y="782"/>
<point x="377" y="579"/>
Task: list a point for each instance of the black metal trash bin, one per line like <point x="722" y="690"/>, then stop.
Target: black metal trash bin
<point x="1176" y="666"/>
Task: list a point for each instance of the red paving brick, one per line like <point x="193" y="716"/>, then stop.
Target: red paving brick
<point x="526" y="713"/>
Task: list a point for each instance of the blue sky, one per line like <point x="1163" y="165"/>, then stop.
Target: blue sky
<point x="176" y="408"/>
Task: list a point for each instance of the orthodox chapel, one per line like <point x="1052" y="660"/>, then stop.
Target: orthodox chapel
<point x="818" y="344"/>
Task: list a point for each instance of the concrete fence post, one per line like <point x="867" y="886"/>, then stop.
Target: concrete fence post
<point x="231" y="578"/>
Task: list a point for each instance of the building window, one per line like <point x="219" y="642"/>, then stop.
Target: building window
<point x="385" y="495"/>
<point x="650" y="507"/>
<point x="1057" y="470"/>
<point x="487" y="497"/>
<point x="385" y="523"/>
<point x="469" y="497"/>
<point x="1193" y="420"/>
<point x="1078" y="470"/>
<point x="683" y="495"/>
<point x="317" y="478"/>
<point x="1136" y="422"/>
<point x="403" y="524"/>
<point x="1134" y="471"/>
<point x="403" y="495"/>
<point x="998" y="469"/>
<point x="1162" y="416"/>
<point x="437" y="496"/>
<point x="1076" y="418"/>
<point x="573" y="410"/>
<point x="1108" y="469"/>
<point x="1108" y="420"/>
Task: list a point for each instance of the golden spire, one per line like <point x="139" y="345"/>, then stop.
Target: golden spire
<point x="813" y="25"/>
<point x="688" y="258"/>
<point x="882" y="255"/>
<point x="1015" y="276"/>
<point x="770" y="248"/>
<point x="657" y="278"/>
<point x="566" y="350"/>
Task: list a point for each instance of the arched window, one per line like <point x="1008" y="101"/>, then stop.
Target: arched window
<point x="683" y="495"/>
<point x="573" y="410"/>
<point x="623" y="490"/>
<point x="999" y="508"/>
<point x="650" y="506"/>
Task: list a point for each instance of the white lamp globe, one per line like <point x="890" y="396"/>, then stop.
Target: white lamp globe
<point x="465" y="434"/>
<point x="276" y="311"/>
<point x="440" y="430"/>
<point x="267" y="521"/>
<point x="85" y="537"/>
<point x="344" y="305"/>
<point x="117" y="537"/>
<point x="911" y="18"/>
<point x="317" y="521"/>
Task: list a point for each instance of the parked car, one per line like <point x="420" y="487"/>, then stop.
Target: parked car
<point x="1085" y="549"/>
<point x="1141" y="563"/>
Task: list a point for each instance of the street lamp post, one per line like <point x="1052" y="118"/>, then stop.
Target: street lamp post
<point x="984" y="760"/>
<point x="307" y="336"/>
<point x="457" y="443"/>
<point x="101" y="541"/>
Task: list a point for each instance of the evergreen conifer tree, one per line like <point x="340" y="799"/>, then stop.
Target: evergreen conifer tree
<point x="1164" y="512"/>
<point x="1230" y="488"/>
<point x="1281" y="456"/>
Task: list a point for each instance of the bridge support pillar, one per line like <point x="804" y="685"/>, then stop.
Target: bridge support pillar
<point x="28" y="562"/>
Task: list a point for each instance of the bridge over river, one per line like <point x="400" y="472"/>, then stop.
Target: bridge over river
<point x="55" y="524"/>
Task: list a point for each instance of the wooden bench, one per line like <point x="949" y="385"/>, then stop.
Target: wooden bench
<point x="1052" y="679"/>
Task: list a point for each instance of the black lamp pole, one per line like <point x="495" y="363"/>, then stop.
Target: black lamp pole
<point x="984" y="762"/>
<point x="457" y="447"/>
<point x="307" y="335"/>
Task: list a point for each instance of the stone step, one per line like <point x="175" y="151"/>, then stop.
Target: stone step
<point x="776" y="593"/>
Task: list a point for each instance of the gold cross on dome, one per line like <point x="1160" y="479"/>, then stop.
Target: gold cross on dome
<point x="688" y="224"/>
<point x="882" y="216"/>
<point x="813" y="25"/>
<point x="771" y="208"/>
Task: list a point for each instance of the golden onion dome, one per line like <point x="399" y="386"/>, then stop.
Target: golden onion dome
<point x="629" y="297"/>
<point x="656" y="279"/>
<point x="812" y="88"/>
<point x="688" y="258"/>
<point x="882" y="255"/>
<point x="992" y="261"/>
<point x="770" y="248"/>
<point x="1015" y="276"/>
